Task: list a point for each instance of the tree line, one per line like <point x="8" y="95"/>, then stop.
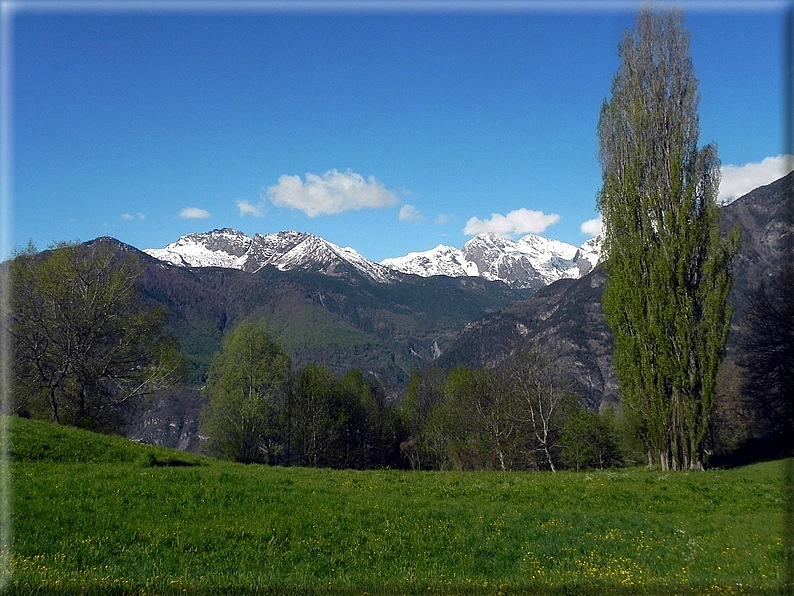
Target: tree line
<point x="260" y="412"/>
<point x="516" y="417"/>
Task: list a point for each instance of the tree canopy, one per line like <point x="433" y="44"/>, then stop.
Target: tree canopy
<point x="247" y="386"/>
<point x="667" y="265"/>
<point x="84" y="342"/>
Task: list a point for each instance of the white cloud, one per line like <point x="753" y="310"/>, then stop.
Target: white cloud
<point x="520" y="221"/>
<point x="593" y="227"/>
<point x="247" y="208"/>
<point x="331" y="193"/>
<point x="128" y="217"/>
<point x="194" y="213"/>
<point x="442" y="218"/>
<point x="410" y="213"/>
<point x="739" y="180"/>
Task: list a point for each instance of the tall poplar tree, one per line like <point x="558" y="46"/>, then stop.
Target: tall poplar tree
<point x="667" y="265"/>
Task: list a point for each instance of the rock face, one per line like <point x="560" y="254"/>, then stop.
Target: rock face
<point x="765" y="217"/>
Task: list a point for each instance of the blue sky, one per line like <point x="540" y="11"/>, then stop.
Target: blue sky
<point x="386" y="130"/>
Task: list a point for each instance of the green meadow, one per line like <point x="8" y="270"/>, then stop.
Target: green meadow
<point x="94" y="514"/>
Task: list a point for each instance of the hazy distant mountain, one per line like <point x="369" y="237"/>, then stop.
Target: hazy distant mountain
<point x="529" y="263"/>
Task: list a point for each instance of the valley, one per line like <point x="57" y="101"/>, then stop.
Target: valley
<point x="330" y="306"/>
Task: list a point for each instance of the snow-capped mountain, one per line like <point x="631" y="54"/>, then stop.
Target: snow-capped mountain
<point x="441" y="260"/>
<point x="285" y="250"/>
<point x="530" y="262"/>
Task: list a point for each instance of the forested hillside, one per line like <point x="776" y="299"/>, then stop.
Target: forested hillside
<point x="386" y="331"/>
<point x="389" y="331"/>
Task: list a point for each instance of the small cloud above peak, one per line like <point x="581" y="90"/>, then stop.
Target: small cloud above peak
<point x="592" y="227"/>
<point x="410" y="213"/>
<point x="330" y="193"/>
<point x="247" y="208"/>
<point x="129" y="217"/>
<point x="517" y="222"/>
<point x="194" y="213"/>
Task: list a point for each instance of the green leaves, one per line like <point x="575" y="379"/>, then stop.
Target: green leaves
<point x="247" y="385"/>
<point x="84" y="341"/>
<point x="668" y="279"/>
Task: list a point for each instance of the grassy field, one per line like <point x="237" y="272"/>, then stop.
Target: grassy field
<point x="98" y="515"/>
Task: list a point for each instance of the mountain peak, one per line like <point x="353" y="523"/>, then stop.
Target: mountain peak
<point x="286" y="251"/>
<point x="530" y="262"/>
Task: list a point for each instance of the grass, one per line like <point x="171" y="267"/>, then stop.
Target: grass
<point x="132" y="519"/>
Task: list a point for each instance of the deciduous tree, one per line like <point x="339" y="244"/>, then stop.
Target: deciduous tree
<point x="540" y="401"/>
<point x="667" y="265"/>
<point x="424" y="392"/>
<point x="310" y="417"/>
<point x="84" y="342"/>
<point x="247" y="386"/>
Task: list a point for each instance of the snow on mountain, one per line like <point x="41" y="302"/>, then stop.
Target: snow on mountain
<point x="316" y="254"/>
<point x="590" y="255"/>
<point x="284" y="250"/>
<point x="530" y="262"/>
<point x="441" y="260"/>
<point x="219" y="248"/>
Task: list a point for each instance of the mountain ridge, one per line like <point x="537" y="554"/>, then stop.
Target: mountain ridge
<point x="531" y="262"/>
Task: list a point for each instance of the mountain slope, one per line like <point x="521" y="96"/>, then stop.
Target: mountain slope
<point x="766" y="219"/>
<point x="386" y="330"/>
<point x="564" y="319"/>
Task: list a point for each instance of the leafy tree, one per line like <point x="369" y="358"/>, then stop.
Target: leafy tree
<point x="589" y="440"/>
<point x="310" y="416"/>
<point x="451" y="435"/>
<point x="473" y="426"/>
<point x="375" y="433"/>
<point x="339" y="423"/>
<point x="247" y="386"/>
<point x="667" y="265"/>
<point x="423" y="392"/>
<point x="84" y="342"/>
